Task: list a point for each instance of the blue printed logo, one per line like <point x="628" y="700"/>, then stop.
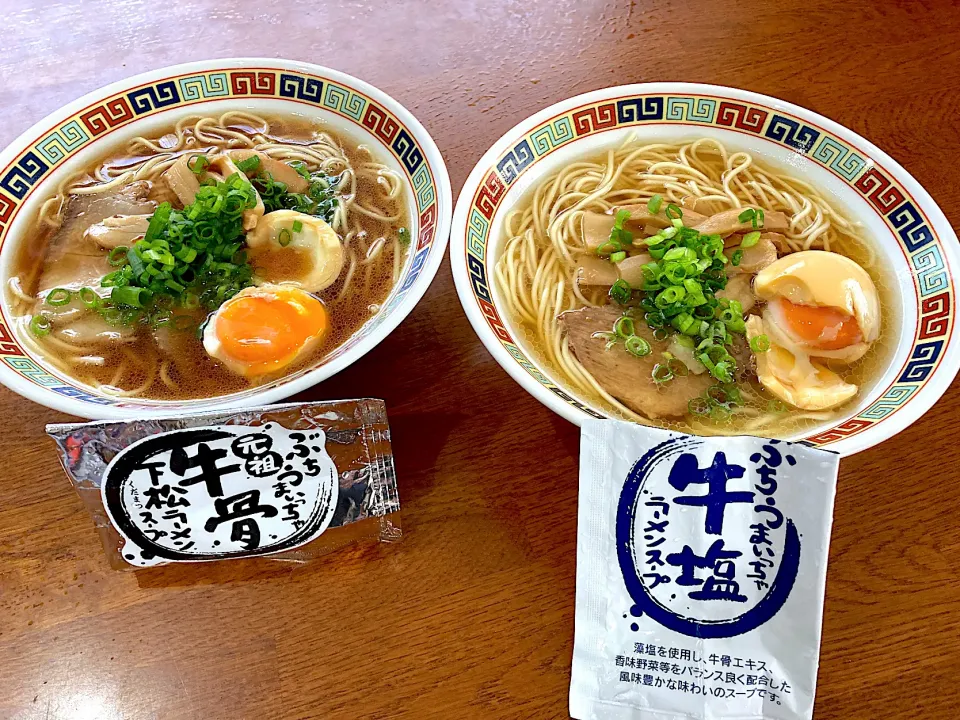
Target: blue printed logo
<point x="703" y="548"/>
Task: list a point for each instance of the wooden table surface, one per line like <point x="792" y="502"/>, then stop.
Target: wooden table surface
<point x="471" y="616"/>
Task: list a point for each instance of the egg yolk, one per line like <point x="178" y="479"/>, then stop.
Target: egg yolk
<point x="269" y="328"/>
<point x="825" y="328"/>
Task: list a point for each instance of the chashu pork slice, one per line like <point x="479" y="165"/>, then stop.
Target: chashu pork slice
<point x="627" y="378"/>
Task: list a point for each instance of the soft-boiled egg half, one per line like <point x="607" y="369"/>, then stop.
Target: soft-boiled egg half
<point x="818" y="305"/>
<point x="796" y="378"/>
<point x="296" y="249"/>
<point x="264" y="329"/>
<point x="822" y="302"/>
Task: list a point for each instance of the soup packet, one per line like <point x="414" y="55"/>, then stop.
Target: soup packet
<point x="289" y="482"/>
<point x="701" y="565"/>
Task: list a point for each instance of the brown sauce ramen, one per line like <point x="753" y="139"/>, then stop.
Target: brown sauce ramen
<point x="222" y="254"/>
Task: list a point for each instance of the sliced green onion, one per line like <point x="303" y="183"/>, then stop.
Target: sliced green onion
<point x="699" y="406"/>
<point x="733" y="394"/>
<point x="624" y="327"/>
<point x="676" y="366"/>
<point x="695" y="296"/>
<point x="758" y="218"/>
<point x="620" y="292"/>
<point x="402" y="233"/>
<point x="750" y="239"/>
<point x="681" y="254"/>
<point x="251" y="163"/>
<point x="673" y="212"/>
<point x="118" y="256"/>
<point x="609" y="247"/>
<point x="736" y="257"/>
<point x="284" y="238"/>
<point x="686" y="324"/>
<point x="677" y="223"/>
<point x="748" y="215"/>
<point x="760" y="343"/>
<point x="89" y="297"/>
<point x="719" y="394"/>
<point x="653" y="204"/>
<point x="130" y="296"/>
<point x="654" y="320"/>
<point x="637" y="346"/>
<point x="186" y="254"/>
<point x="59" y="296"/>
<point x="297" y="226"/>
<point x="197" y="164"/>
<point x="301" y="168"/>
<point x="661" y="373"/>
<point x="618" y="256"/>
<point x="655" y="239"/>
<point x="722" y="371"/>
<point x="719" y="413"/>
<point x="40" y="325"/>
<point x="671" y="295"/>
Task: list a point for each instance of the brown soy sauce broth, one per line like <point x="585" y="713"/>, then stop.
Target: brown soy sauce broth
<point x="168" y="364"/>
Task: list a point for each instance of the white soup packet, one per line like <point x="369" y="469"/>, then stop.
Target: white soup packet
<point x="701" y="565"/>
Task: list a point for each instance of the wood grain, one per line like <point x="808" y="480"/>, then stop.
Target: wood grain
<point x="471" y="616"/>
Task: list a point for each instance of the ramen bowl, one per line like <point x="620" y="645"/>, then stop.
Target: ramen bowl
<point x="906" y="230"/>
<point x="36" y="163"/>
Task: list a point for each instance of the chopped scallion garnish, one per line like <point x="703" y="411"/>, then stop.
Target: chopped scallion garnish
<point x="750" y="239"/>
<point x="653" y="204"/>
<point x="679" y="296"/>
<point x="297" y="226"/>
<point x="760" y="344"/>
<point x="130" y="296"/>
<point x="637" y="346"/>
<point x="619" y="237"/>
<point x="624" y="327"/>
<point x="40" y="325"/>
<point x="662" y="373"/>
<point x="89" y="297"/>
<point x="118" y="256"/>
<point x="59" y="296"/>
<point x="250" y="165"/>
<point x="320" y="200"/>
<point x="198" y="164"/>
<point x="621" y="292"/>
<point x="284" y="237"/>
<point x="752" y="216"/>
<point x="673" y="212"/>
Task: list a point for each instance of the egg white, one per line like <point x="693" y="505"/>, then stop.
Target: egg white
<point x="315" y="240"/>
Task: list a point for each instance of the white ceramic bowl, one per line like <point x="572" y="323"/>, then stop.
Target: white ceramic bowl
<point x="33" y="165"/>
<point x="910" y="231"/>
